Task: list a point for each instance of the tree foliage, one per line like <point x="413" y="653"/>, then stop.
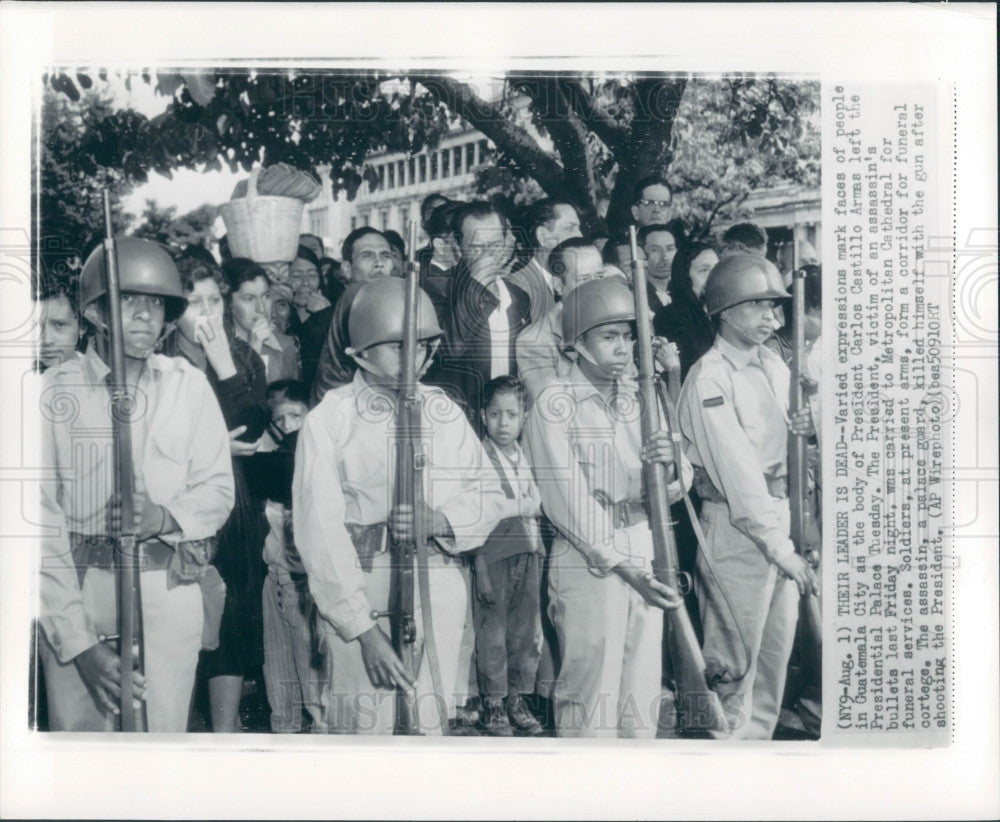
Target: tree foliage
<point x="72" y="176"/>
<point x="164" y="226"/>
<point x="586" y="138"/>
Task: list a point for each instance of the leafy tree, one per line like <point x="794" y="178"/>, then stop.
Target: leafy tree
<point x="164" y="226"/>
<point x="72" y="175"/>
<point x="585" y="138"/>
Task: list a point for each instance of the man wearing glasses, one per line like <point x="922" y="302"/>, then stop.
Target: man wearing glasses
<point x="651" y="201"/>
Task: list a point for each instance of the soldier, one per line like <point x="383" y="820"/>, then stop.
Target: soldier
<point x="342" y="504"/>
<point x="734" y="417"/>
<point x="584" y="440"/>
<point x="183" y="494"/>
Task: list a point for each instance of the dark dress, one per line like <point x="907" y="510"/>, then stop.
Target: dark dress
<point x="685" y="324"/>
<point x="239" y="558"/>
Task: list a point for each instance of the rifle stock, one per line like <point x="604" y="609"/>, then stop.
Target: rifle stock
<point x="409" y="491"/>
<point x="802" y="521"/>
<point x="696" y="702"/>
<point x="127" y="560"/>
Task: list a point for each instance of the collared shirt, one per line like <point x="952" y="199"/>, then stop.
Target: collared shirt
<point x="517" y="470"/>
<point x="344" y="473"/>
<point x="500" y="333"/>
<point x="278" y="353"/>
<point x="586" y="454"/>
<point x="734" y="415"/>
<point x="181" y="460"/>
<point x="540" y="355"/>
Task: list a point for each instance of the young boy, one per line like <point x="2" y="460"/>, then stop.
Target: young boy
<point x="293" y="670"/>
<point x="505" y="577"/>
<point x="344" y="515"/>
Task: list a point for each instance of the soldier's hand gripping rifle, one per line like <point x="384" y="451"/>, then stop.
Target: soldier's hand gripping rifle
<point x="697" y="703"/>
<point x="127" y="559"/>
<point x="804" y="532"/>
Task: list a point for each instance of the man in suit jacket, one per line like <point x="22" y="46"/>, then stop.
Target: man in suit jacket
<point x="547" y="223"/>
<point x="485" y="311"/>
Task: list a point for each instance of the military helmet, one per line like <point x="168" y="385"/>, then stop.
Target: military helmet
<point x="143" y="268"/>
<point x="376" y="314"/>
<point x="740" y="278"/>
<point x="594" y="303"/>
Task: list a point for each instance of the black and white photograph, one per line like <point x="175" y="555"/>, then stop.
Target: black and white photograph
<point x="515" y="407"/>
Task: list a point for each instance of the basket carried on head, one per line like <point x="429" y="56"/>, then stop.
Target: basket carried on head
<point x="261" y="227"/>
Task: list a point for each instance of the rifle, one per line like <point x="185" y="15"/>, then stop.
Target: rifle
<point x="803" y="525"/>
<point x="697" y="703"/>
<point x="127" y="560"/>
<point x="410" y="466"/>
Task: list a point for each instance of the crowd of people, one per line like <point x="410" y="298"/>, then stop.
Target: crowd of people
<point x="264" y="477"/>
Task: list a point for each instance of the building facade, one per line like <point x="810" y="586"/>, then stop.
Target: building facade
<point x="403" y="182"/>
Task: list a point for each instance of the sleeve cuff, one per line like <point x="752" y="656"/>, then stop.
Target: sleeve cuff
<point x="780" y="550"/>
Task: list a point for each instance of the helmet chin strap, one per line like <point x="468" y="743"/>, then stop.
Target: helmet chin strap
<point x="739" y="332"/>
<point x="363" y="362"/>
<point x="581" y="349"/>
<point x="104" y="331"/>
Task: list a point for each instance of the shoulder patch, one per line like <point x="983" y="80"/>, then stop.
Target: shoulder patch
<point x="712" y="402"/>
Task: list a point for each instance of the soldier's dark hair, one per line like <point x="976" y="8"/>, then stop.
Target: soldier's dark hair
<point x="281" y="391"/>
<point x="745" y="237"/>
<point x="540" y="213"/>
<point x="558" y="256"/>
<point x="646" y="182"/>
<point x="610" y="251"/>
<point x="504" y="385"/>
<point x="347" y="249"/>
<point x="476" y="210"/>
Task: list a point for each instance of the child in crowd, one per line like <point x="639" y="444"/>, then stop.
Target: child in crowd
<point x="293" y="668"/>
<point x="506" y="573"/>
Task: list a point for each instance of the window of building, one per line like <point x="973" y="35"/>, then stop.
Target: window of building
<point x="422" y="169"/>
<point x="354" y="223"/>
<point x="412" y="178"/>
<point x="381" y="177"/>
<point x="385" y="219"/>
<point x="446" y="164"/>
<point x="404" y="218"/>
<point x="392" y="175"/>
<point x="366" y="218"/>
<point x="435" y="169"/>
<point x="470" y="156"/>
<point x="483" y="149"/>
<point x="456" y="159"/>
<point x="317" y="222"/>
<point x="401" y="172"/>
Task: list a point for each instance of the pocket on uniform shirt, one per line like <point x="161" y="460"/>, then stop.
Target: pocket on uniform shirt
<point x="169" y="475"/>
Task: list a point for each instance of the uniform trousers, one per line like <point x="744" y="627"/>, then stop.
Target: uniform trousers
<point x="764" y="613"/>
<point x="172" y="624"/>
<point x="610" y="642"/>
<point x="354" y="706"/>
<point x="294" y="680"/>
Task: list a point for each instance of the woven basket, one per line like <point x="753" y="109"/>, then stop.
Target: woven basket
<point x="263" y="228"/>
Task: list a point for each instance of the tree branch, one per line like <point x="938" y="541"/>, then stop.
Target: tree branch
<point x="513" y="140"/>
<point x="609" y="132"/>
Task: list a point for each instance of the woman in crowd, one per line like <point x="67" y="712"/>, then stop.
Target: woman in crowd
<point x="250" y="305"/>
<point x="304" y="279"/>
<point x="684" y="321"/>
<point x="205" y="337"/>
